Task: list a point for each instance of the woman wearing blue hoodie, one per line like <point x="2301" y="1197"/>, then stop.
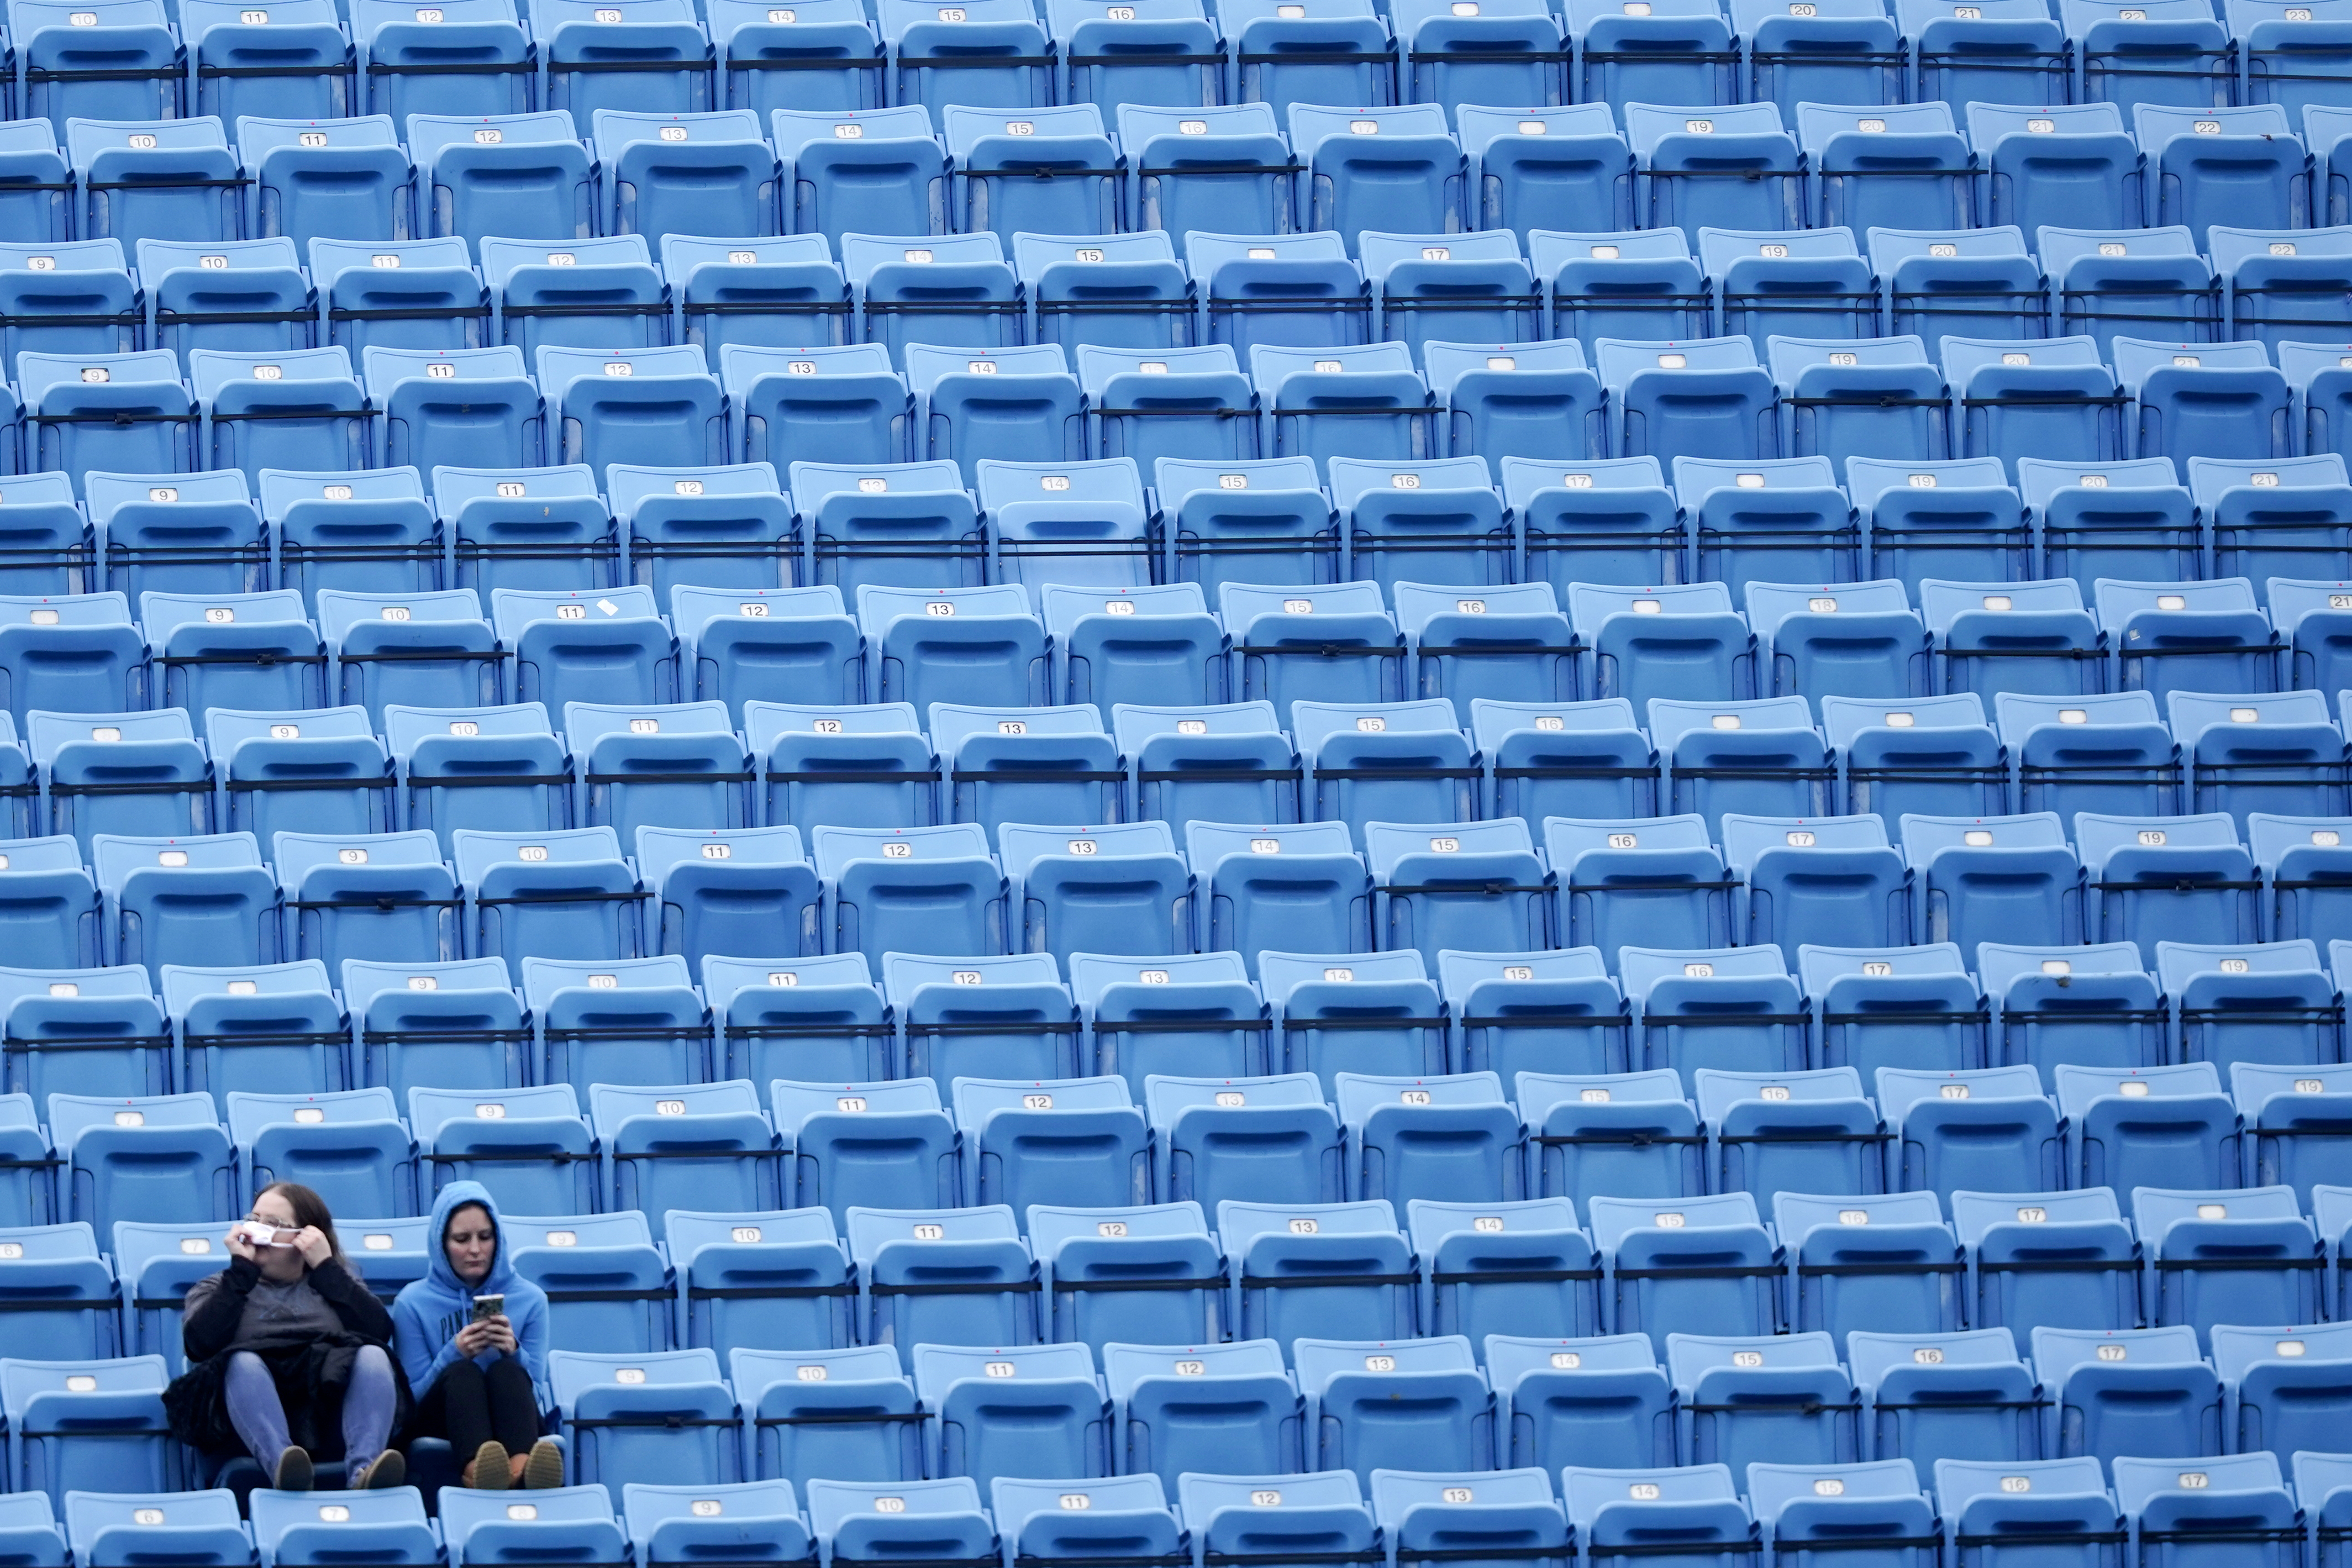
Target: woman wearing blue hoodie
<point x="480" y="1381"/>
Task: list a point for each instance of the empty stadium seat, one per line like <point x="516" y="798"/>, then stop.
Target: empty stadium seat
<point x="1929" y="1397"/>
<point x="1985" y="1129"/>
<point x="1745" y="1398"/>
<point x="1496" y="1269"/>
<point x="1734" y="167"/>
<point x="1668" y="1275"/>
<point x="2278" y="514"/>
<point x="1421" y="1400"/>
<point x="884" y="1144"/>
<point x="563" y="890"/>
<point x="1630" y="1134"/>
<point x="2217" y="1257"/>
<point x="2145" y="1391"/>
<point x="2218" y="400"/>
<point x="1655" y="882"/>
<point x="649" y="1029"/>
<point x="1704" y="398"/>
<point x="2089" y="531"/>
<point x="2132" y="1127"/>
<point x="2108" y="753"/>
<point x="1764" y="757"/>
<point x="1544" y="757"/>
<point x="608" y="1286"/>
<point x="1337" y="1268"/>
<point x="351" y="1148"/>
<point x="546" y="527"/>
<point x="1269" y="1138"/>
<point x="1618" y="281"/>
<point x="456" y="1024"/>
<point x="166" y="1159"/>
<point x="943" y="1277"/>
<point x="774" y="1017"/>
<point x="1982" y="878"/>
<point x="1529" y="400"/>
<point x="1677" y="641"/>
<point x="1580" y="1400"/>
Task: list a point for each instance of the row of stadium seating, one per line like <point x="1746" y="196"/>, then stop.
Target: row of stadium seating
<point x="206" y="56"/>
<point x="1058" y="170"/>
<point x="1873" y="1515"/>
<point x="1080" y="1144"/>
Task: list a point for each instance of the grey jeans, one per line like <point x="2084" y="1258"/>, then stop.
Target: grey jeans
<point x="260" y="1417"/>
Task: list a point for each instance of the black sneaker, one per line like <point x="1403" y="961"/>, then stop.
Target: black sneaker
<point x="294" y="1470"/>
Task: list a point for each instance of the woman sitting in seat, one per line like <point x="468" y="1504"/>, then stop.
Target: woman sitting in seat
<point x="287" y="1352"/>
<point x="473" y="1339"/>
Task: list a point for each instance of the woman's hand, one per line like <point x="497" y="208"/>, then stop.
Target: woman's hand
<point x="486" y="1334"/>
<point x="312" y="1243"/>
<point x="239" y="1246"/>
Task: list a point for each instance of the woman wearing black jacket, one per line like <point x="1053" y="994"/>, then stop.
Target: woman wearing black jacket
<point x="288" y="1353"/>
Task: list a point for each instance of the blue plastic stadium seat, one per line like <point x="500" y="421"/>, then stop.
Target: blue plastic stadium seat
<point x="575" y="293"/>
<point x="1442" y="1139"/>
<point x="522" y="175"/>
<point x="886" y="1144"/>
<point x="2241" y="165"/>
<point x="2134" y="1126"/>
<point x="670" y="407"/>
<point x="2276" y="515"/>
<point x="1542" y="757"/>
<point x="1652" y="882"/>
<point x="1628" y="283"/>
<point x="158" y="780"/>
<point x="2226" y="1256"/>
<point x="1705" y="397"/>
<point x="2090" y="531"/>
<point x="1442" y="286"/>
<point x="483" y="768"/>
<point x="2107" y="282"/>
<point x="389" y="896"/>
<point x="758" y="1517"/>
<point x="1078" y="1141"/>
<point x="1559" y="168"/>
<point x="1820" y="876"/>
<point x="1764" y="757"/>
<point x="670" y="766"/>
<point x="168" y="178"/>
<point x="2106" y="752"/>
<point x="1297" y="882"/>
<point x="972" y="1278"/>
<point x="884" y="168"/>
<point x="1681" y="641"/>
<point x="2027" y="399"/>
<point x="1042" y="171"/>
<point x="997" y="57"/>
<point x="608" y="1286"/>
<point x="1985" y="1130"/>
<point x="2205" y="871"/>
<point x="1226" y="169"/>
<point x="1533" y="1012"/>
<point x="1007" y="1410"/>
<point x="582" y="646"/>
<point x="350" y="1147"/>
<point x="1023" y="406"/>
<point x="1335" y="51"/>
<point x="797" y="1423"/>
<point x="1108" y="891"/>
<point x="1403" y="762"/>
<point x="715" y="527"/>
<point x="1016" y="1022"/>
<point x="1845" y="1277"/>
<point x="1145" y="1274"/>
<point x="2070" y="163"/>
<point x="164" y="1158"/>
<point x="79" y="298"/>
<point x="1470" y="886"/>
<point x="2216" y="400"/>
<point x="1719" y="1007"/>
<point x="1368" y="402"/>
<point x="316" y="771"/>
<point x="1970" y="1396"/>
<point x="1579" y="1400"/>
<point x="950" y="894"/>
<point x="1684" y="156"/>
<point x="541" y="529"/>
<point x="172" y="899"/>
<point x="1979" y="878"/>
<point x="761" y="291"/>
<point x="1437" y="522"/>
<point x="910" y="526"/>
<point x="775" y="1277"/>
<point x="1769" y="281"/>
<point x="1058" y="522"/>
<point x="2061" y="1005"/>
<point x="1833" y="639"/>
<point x="1928" y="518"/>
<point x="671" y="173"/>
<point x="1109" y="290"/>
<point x="775" y="1017"/>
<point x="1166" y="53"/>
<point x="116" y="411"/>
<point x="1708" y="1263"/>
<point x="2298" y="859"/>
<point x="1268" y="1138"/>
<point x="368" y="531"/>
<point x="2182" y="57"/>
<point x="1334" y="644"/>
<point x="1251" y="522"/>
<point x="2158" y="1399"/>
<point x="716" y="1146"/>
<point x="1282" y="290"/>
<point x="942" y="291"/>
<point x="986" y="647"/>
<point x="2068" y="1503"/>
<point x="1745" y="1398"/>
<point x="1758" y="1144"/>
<point x="456" y="1024"/>
<point x="573" y="893"/>
<point x="2280" y="751"/>
<point x="490" y="416"/>
<point x="739" y="892"/>
<point x="1213" y="1016"/>
<point x="1526" y="1269"/>
<point x="1849" y="54"/>
<point x="1152" y="403"/>
<point x="1531" y="401"/>
<point x="1696" y="1511"/>
<point x="414" y="294"/>
<point x="1424" y="1401"/>
<point x="823" y="763"/>
<point x="648" y="1030"/>
<point x="1350" y="1265"/>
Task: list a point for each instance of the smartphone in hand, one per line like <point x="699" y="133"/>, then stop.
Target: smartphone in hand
<point x="488" y="1307"/>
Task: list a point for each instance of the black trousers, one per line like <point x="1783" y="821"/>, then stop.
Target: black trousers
<point x="470" y="1407"/>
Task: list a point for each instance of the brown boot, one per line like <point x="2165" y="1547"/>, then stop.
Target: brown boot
<point x="490" y="1469"/>
<point x="293" y="1469"/>
<point x="545" y="1468"/>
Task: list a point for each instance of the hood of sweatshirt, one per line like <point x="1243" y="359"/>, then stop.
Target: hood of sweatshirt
<point x="443" y="1291"/>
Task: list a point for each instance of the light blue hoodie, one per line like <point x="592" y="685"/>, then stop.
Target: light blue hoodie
<point x="428" y="1312"/>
